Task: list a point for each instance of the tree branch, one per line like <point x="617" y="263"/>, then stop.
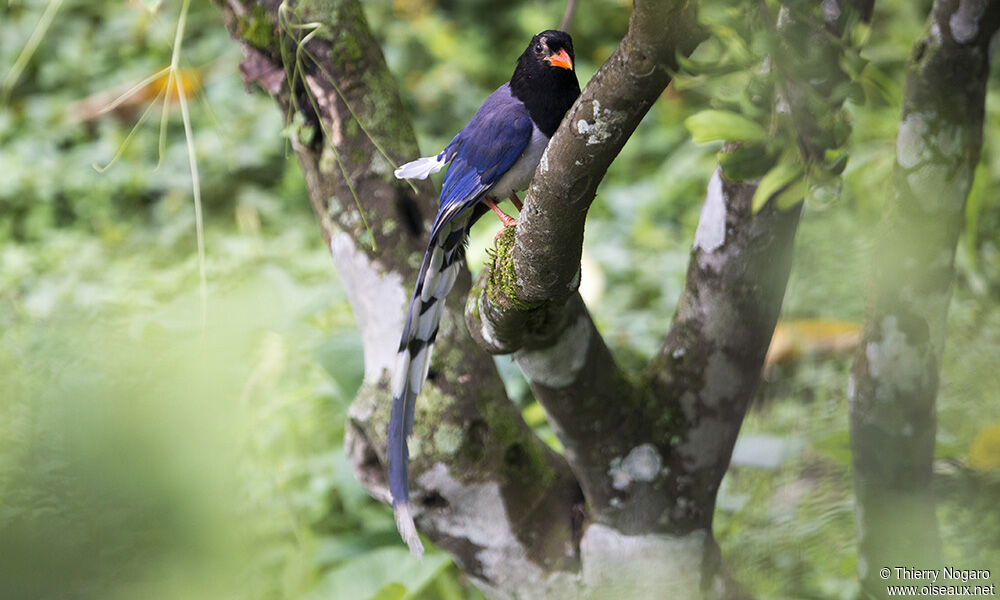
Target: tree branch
<point x="527" y="303"/>
<point x="549" y="238"/>
<point x="709" y="367"/>
<point x="895" y="376"/>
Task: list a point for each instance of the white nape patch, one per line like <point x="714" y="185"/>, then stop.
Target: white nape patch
<point x="910" y="147"/>
<point x="711" y="232"/>
<point x="378" y="300"/>
<point x="558" y="365"/>
<point x="964" y="22"/>
<point x="616" y="565"/>
<point x="476" y="512"/>
<point x="420" y="168"/>
<point x="643" y="463"/>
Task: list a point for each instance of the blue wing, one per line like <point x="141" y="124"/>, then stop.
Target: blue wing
<point x="482" y="152"/>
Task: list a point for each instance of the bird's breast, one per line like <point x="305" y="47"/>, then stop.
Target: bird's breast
<point x="519" y="175"/>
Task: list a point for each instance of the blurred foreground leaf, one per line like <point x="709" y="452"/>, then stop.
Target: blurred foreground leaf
<point x="370" y="575"/>
<point x="722" y="125"/>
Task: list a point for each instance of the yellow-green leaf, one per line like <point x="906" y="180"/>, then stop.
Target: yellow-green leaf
<point x="777" y="180"/>
<point x="746" y="161"/>
<point x="985" y="452"/>
<point x="791" y="195"/>
<point x="716" y="125"/>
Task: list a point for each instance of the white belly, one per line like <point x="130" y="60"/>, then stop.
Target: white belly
<point x="519" y="175"/>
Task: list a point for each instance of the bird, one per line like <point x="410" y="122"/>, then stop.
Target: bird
<point x="492" y="157"/>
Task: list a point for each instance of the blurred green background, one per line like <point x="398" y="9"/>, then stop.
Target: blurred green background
<point x="143" y="455"/>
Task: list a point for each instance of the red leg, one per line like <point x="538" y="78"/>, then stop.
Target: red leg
<point x="506" y="219"/>
<point x="516" y="201"/>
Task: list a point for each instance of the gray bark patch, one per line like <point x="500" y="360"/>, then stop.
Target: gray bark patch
<point x="711" y="232"/>
<point x="616" y="565"/>
<point x="378" y="300"/>
<point x="558" y="365"/>
<point x="643" y="463"/>
<point x="476" y="512"/>
<point x="964" y="22"/>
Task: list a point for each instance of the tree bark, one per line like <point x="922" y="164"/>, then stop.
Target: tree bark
<point x="627" y="511"/>
<point x="894" y="381"/>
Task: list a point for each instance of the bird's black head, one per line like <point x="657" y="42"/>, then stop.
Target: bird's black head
<point x="544" y="78"/>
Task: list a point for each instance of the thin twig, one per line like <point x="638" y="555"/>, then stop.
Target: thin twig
<point x="568" y="15"/>
<point x="36" y="37"/>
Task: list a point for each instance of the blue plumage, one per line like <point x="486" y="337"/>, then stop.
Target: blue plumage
<point x="490" y="159"/>
<point x="483" y="152"/>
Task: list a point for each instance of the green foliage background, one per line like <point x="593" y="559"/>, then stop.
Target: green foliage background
<point x="142" y="456"/>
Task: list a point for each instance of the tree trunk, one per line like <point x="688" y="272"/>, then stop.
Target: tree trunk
<point x="627" y="511"/>
<point x="894" y="381"/>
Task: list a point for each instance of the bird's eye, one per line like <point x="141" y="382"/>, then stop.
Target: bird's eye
<point x="538" y="48"/>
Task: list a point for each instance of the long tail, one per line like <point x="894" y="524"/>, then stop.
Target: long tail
<point x="441" y="264"/>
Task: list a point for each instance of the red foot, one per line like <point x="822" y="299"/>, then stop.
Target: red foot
<point x="507" y="220"/>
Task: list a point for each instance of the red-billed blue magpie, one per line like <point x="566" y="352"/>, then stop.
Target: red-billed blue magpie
<point x="493" y="157"/>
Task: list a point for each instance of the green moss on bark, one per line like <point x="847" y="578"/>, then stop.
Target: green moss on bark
<point x="259" y="30"/>
<point x="503" y="289"/>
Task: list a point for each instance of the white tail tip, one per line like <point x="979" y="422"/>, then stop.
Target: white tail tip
<point x="407" y="529"/>
<point x="420" y="168"/>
